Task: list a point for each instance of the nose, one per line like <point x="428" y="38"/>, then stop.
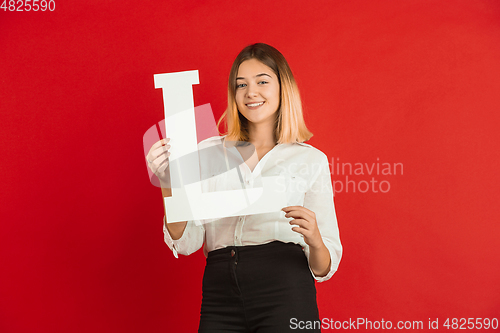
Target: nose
<point x="252" y="91"/>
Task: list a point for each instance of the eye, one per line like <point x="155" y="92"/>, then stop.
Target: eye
<point x="241" y="85"/>
<point x="263" y="82"/>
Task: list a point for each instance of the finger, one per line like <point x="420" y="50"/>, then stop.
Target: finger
<point x="159" y="143"/>
<point x="299" y="214"/>
<point x="158" y="152"/>
<point x="162" y="167"/>
<point x="155" y="146"/>
<point x="299" y="230"/>
<point x="159" y="162"/>
<point x="288" y="208"/>
<point x="301" y="223"/>
<point x="300" y="209"/>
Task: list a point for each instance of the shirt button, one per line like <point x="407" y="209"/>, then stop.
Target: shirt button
<point x="232" y="253"/>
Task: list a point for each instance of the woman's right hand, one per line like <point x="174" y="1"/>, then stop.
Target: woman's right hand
<point x="157" y="159"/>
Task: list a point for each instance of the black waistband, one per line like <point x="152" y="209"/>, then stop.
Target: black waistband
<point x="274" y="247"/>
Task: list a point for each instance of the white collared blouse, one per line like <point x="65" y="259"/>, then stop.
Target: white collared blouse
<point x="308" y="184"/>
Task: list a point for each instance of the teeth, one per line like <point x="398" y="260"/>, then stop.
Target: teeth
<point x="255" y="104"/>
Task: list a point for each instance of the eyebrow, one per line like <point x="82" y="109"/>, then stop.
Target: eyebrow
<point x="258" y="75"/>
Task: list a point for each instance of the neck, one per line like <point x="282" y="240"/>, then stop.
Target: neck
<point x="261" y="135"/>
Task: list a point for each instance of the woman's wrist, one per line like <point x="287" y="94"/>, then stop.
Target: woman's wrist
<point x="319" y="259"/>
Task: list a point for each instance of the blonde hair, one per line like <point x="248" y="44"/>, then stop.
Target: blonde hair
<point x="290" y="126"/>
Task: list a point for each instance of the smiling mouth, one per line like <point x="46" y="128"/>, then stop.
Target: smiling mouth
<point x="253" y="105"/>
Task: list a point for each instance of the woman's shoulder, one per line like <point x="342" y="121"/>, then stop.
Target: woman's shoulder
<point x="310" y="151"/>
<point x="212" y="141"/>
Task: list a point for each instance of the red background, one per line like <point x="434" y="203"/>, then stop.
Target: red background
<point x="414" y="82"/>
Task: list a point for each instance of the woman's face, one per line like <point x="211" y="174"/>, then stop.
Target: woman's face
<point x="257" y="92"/>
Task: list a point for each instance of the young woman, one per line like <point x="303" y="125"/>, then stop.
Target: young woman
<point x="261" y="268"/>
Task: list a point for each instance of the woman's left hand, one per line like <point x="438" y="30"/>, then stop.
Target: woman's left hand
<point x="305" y="221"/>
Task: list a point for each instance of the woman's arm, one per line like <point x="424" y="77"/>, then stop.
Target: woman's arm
<point x="181" y="237"/>
<point x="320" y="260"/>
<point x="305" y="224"/>
<point x="175" y="229"/>
<point x="318" y="224"/>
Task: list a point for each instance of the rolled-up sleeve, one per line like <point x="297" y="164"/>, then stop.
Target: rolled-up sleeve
<point x="319" y="199"/>
<point x="191" y="240"/>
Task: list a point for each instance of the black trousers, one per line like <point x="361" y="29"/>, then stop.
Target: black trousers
<point x="260" y="288"/>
